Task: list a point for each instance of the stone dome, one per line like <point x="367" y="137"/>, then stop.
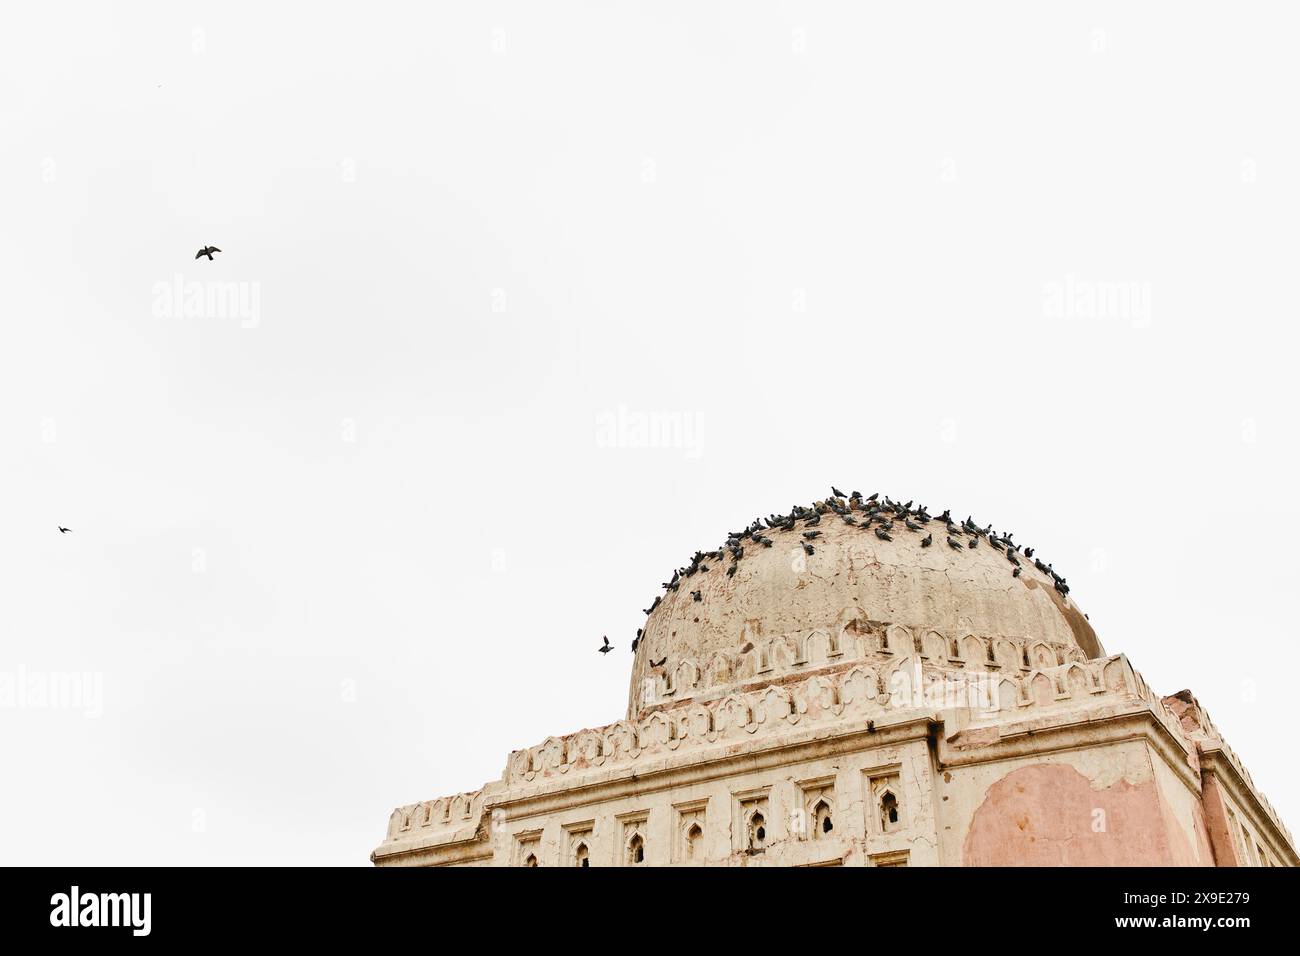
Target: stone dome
<point x="854" y="576"/>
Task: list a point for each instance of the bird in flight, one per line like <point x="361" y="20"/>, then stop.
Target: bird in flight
<point x="64" y="530"/>
<point x="206" y="251"/>
<point x="607" y="647"/>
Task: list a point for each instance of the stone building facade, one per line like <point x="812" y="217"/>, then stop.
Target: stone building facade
<point x="873" y="703"/>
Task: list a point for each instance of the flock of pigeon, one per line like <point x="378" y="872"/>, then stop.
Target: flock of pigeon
<point x="880" y="516"/>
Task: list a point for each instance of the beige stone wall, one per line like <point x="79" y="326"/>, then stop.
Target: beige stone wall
<point x="792" y="801"/>
<point x="1112" y="804"/>
<point x="1073" y="763"/>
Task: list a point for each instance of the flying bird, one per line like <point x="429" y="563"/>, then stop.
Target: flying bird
<point x="64" y="530"/>
<point x="607" y="647"/>
<point x="206" y="251"/>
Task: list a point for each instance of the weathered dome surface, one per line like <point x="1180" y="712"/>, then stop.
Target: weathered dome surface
<point x="854" y="575"/>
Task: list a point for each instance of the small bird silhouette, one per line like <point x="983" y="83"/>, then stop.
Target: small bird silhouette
<point x="607" y="647"/>
<point x="927" y="541"/>
<point x="206" y="251"/>
<point x="64" y="530"/>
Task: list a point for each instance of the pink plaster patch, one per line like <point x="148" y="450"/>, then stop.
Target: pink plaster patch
<point x="1047" y="815"/>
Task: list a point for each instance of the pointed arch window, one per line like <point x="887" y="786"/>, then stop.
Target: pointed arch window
<point x="821" y="820"/>
<point x="694" y="842"/>
<point x="636" y="850"/>
<point x="889" y="815"/>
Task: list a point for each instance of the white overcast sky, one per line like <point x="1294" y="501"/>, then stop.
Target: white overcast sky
<point x="348" y="552"/>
